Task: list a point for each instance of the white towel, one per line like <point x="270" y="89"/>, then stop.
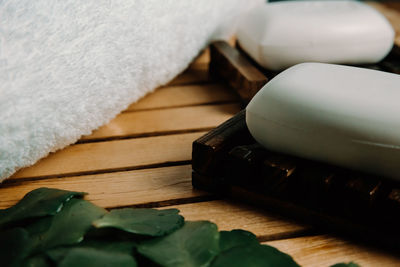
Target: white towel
<point x="67" y="67"/>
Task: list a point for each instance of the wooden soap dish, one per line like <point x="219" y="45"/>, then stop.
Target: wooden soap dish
<point x="228" y="161"/>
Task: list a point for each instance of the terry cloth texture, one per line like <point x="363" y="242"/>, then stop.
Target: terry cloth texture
<point x="67" y="67"/>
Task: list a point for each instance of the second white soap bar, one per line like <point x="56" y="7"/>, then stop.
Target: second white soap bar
<point x="342" y="115"/>
<point x="279" y="35"/>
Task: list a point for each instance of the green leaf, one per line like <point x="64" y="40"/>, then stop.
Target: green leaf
<point x="234" y="238"/>
<point x="36" y="261"/>
<point x="195" y="244"/>
<point x="14" y="246"/>
<point x="149" y="222"/>
<point x="67" y="227"/>
<point x="121" y="246"/>
<point x="350" y="264"/>
<point x="114" y="246"/>
<point x="88" y="257"/>
<point x="37" y="203"/>
<point x="253" y="256"/>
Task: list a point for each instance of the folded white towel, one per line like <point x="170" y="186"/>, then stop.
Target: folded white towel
<point x="68" y="67"/>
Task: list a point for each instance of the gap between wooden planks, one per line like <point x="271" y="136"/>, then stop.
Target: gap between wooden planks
<point x="127" y="188"/>
<point x="229" y="215"/>
<point x="136" y="152"/>
<point x="185" y="95"/>
<point x="141" y="152"/>
<point x="131" y="188"/>
<point x="161" y="121"/>
<point x="113" y="156"/>
<point x="160" y="186"/>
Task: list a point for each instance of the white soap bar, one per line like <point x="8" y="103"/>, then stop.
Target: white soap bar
<point x="341" y="115"/>
<point x="280" y="35"/>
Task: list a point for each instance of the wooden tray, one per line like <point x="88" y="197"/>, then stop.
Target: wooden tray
<point x="228" y="161"/>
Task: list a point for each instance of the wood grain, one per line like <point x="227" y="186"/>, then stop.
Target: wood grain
<point x="202" y="58"/>
<point x="113" y="155"/>
<point x="166" y="184"/>
<point x="115" y="189"/>
<point x="229" y="215"/>
<point x="195" y="74"/>
<point x="185" y="95"/>
<point x="326" y="250"/>
<point x="151" y="122"/>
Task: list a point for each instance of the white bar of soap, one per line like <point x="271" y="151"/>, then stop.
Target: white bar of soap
<point x="280" y="35"/>
<point x="341" y="115"/>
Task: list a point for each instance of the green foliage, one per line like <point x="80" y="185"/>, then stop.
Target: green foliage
<point x="67" y="227"/>
<point x="91" y="257"/>
<point x="37" y="203"/>
<point x="120" y="247"/>
<point x="142" y="221"/>
<point x="253" y="256"/>
<point x="241" y="248"/>
<point x="39" y="260"/>
<point x="14" y="246"/>
<point x="195" y="244"/>
<point x="51" y="227"/>
<point x="234" y="238"/>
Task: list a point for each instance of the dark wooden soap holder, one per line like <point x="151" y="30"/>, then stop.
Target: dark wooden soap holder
<point x="228" y="161"/>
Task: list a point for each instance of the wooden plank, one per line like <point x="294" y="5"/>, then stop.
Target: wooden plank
<point x="116" y="189"/>
<point x="151" y="122"/>
<point x="187" y="95"/>
<point x="195" y="74"/>
<point x="113" y="156"/>
<point x="229" y="215"/>
<point x="325" y="250"/>
<point x="159" y="186"/>
<point x="202" y="58"/>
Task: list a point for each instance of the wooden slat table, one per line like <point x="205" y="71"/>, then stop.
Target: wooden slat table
<point x="142" y="159"/>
